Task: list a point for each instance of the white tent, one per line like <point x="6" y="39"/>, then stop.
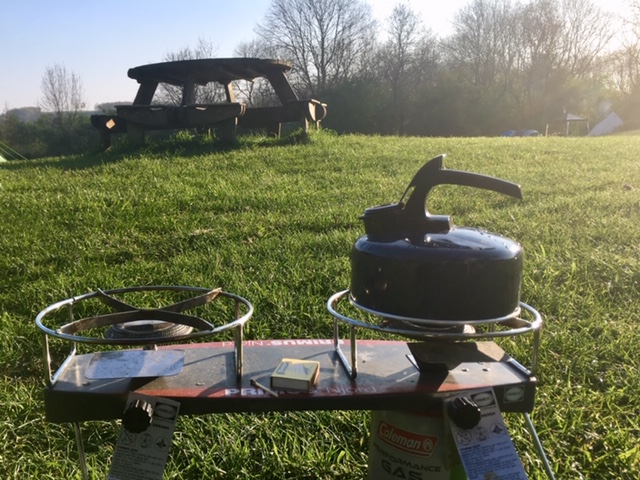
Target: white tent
<point x="7" y="152"/>
<point x="607" y="125"/>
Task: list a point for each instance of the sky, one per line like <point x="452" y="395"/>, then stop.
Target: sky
<point x="100" y="40"/>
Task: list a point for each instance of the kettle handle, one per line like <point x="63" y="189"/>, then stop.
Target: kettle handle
<point x="433" y="173"/>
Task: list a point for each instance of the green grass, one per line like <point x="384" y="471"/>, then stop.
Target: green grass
<point x="274" y="222"/>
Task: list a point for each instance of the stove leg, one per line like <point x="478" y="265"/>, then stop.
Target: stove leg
<point x="538" y="445"/>
<point x="81" y="456"/>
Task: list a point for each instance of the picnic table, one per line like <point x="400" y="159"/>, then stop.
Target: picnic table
<point x="143" y="115"/>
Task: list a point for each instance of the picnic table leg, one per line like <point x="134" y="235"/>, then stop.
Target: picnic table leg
<point x="274" y="129"/>
<point x="226" y="130"/>
<point x="145" y="94"/>
<point x="105" y="138"/>
<point x="188" y="91"/>
<point x="304" y="123"/>
<point x="282" y="87"/>
<point x="135" y="133"/>
<point x="228" y="90"/>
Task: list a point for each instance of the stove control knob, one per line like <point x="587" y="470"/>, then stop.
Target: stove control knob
<point x="137" y="417"/>
<point x="463" y="412"/>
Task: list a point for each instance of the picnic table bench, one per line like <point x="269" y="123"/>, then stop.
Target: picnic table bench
<point x="143" y="115"/>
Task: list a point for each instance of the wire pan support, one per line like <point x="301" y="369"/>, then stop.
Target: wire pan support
<point x="74" y="330"/>
<point x="425" y="329"/>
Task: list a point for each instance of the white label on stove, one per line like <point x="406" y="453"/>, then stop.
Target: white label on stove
<point x="486" y="450"/>
<point x="143" y="456"/>
<point x="135" y="363"/>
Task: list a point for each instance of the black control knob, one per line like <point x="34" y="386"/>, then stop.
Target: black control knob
<point x="137" y="417"/>
<point x="464" y="412"/>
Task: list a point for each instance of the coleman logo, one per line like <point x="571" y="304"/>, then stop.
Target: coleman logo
<point x="513" y="394"/>
<point x="483" y="399"/>
<point x="165" y="411"/>
<point x="409" y="442"/>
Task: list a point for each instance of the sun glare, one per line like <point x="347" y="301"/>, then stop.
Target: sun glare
<point x="438" y="16"/>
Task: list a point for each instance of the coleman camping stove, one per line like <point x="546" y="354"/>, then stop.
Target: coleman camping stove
<point x="447" y="291"/>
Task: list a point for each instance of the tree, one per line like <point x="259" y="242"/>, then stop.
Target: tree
<point x="539" y="33"/>
<point x="408" y="59"/>
<point x="483" y="44"/>
<point x="622" y="67"/>
<point x="67" y="128"/>
<point x="323" y="38"/>
<point x="526" y="62"/>
<point x="563" y="44"/>
<point x="586" y="35"/>
<point x="63" y="95"/>
<point x="480" y="55"/>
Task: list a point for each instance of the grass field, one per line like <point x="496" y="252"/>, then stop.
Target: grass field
<point x="274" y="223"/>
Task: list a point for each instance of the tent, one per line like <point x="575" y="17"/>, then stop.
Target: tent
<point x="608" y="125"/>
<point x="566" y="120"/>
<point x="8" y="152"/>
<point x="521" y="133"/>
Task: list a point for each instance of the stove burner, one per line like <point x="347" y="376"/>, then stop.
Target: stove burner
<point x="148" y="329"/>
<point x="128" y="325"/>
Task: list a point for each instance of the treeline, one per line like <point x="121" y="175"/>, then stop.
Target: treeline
<point x="506" y="65"/>
<point x="44" y="136"/>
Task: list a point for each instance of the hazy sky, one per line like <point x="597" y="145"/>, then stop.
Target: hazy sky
<point x="99" y="41"/>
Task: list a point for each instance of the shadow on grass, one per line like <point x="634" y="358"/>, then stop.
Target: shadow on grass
<point x="181" y="144"/>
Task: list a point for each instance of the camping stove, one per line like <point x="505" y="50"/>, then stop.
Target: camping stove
<point x="449" y="292"/>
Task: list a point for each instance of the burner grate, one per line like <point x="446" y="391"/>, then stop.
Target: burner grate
<point x="127" y="325"/>
<point x="429" y="330"/>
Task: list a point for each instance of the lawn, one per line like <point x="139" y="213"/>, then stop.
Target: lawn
<point x="274" y="222"/>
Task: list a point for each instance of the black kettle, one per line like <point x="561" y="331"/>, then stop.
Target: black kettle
<point x="417" y="265"/>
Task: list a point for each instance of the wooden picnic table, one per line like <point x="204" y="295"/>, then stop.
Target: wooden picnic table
<point x="143" y="115"/>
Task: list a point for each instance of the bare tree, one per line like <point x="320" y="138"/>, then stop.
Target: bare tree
<point x="535" y="58"/>
<point x="540" y="33"/>
<point x="586" y="35"/>
<point x="408" y="57"/>
<point x="483" y="44"/>
<point x="63" y="94"/>
<point x="624" y="64"/>
<point x="563" y="43"/>
<point x="621" y="70"/>
<point x="323" y="38"/>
